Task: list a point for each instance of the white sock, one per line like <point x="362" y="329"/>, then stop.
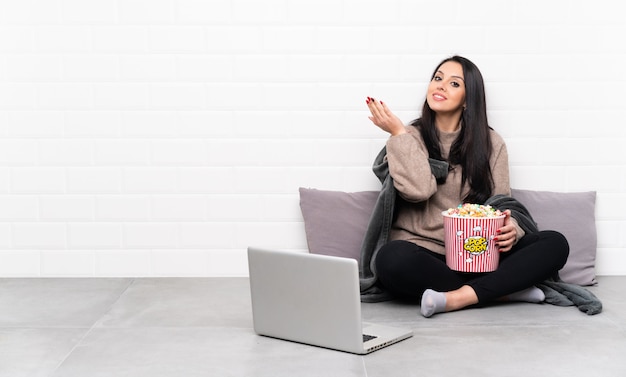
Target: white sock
<point x="532" y="294"/>
<point x="432" y="302"/>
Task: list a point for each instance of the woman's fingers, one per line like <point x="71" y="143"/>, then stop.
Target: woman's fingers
<point x="379" y="111"/>
<point x="383" y="117"/>
<point x="377" y="114"/>
<point x="506" y="237"/>
<point x="506" y="234"/>
<point x="375" y="107"/>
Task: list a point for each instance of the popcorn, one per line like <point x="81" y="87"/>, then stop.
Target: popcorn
<point x="469" y="237"/>
<point x="473" y="210"/>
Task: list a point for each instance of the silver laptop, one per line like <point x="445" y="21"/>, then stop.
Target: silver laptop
<point x="313" y="299"/>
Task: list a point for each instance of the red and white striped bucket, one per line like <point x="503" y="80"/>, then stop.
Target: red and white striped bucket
<point x="470" y="244"/>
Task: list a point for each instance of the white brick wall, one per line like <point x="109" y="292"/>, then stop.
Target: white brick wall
<point x="162" y="137"/>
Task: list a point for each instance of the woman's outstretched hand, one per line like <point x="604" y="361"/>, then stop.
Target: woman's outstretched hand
<point x="507" y="234"/>
<point x="384" y="118"/>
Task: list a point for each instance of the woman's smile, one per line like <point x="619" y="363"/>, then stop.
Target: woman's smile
<point x="439" y="97"/>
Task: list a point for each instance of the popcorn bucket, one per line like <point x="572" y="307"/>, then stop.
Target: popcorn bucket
<point x="469" y="241"/>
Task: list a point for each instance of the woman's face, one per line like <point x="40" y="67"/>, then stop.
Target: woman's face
<point x="446" y="91"/>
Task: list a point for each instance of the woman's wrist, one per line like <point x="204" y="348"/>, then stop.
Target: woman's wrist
<point x="398" y="131"/>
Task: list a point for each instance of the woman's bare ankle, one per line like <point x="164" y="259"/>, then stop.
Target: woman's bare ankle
<point x="460" y="298"/>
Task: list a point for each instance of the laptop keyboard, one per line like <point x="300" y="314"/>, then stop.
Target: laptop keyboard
<point x="368" y="337"/>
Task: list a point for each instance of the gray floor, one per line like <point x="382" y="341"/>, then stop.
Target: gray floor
<point x="203" y="327"/>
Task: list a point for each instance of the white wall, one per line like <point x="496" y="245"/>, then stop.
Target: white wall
<point x="162" y="137"/>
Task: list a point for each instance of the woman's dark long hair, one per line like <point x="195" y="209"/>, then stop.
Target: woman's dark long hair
<point x="472" y="148"/>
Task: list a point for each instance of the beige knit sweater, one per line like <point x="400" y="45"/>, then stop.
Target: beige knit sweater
<point x="422" y="200"/>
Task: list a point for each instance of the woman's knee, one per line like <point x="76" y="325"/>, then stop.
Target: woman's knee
<point x="391" y="257"/>
<point x="557" y="245"/>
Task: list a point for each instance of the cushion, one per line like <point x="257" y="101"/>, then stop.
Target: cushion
<point x="572" y="214"/>
<point x="335" y="222"/>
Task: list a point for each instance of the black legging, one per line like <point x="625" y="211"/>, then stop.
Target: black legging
<point x="406" y="269"/>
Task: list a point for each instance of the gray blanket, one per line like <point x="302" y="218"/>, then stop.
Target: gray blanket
<point x="557" y="292"/>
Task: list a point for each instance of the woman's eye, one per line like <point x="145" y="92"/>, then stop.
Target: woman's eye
<point x="455" y="84"/>
<point x="436" y="78"/>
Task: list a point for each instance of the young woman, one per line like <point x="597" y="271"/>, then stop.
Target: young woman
<point x="453" y="131"/>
